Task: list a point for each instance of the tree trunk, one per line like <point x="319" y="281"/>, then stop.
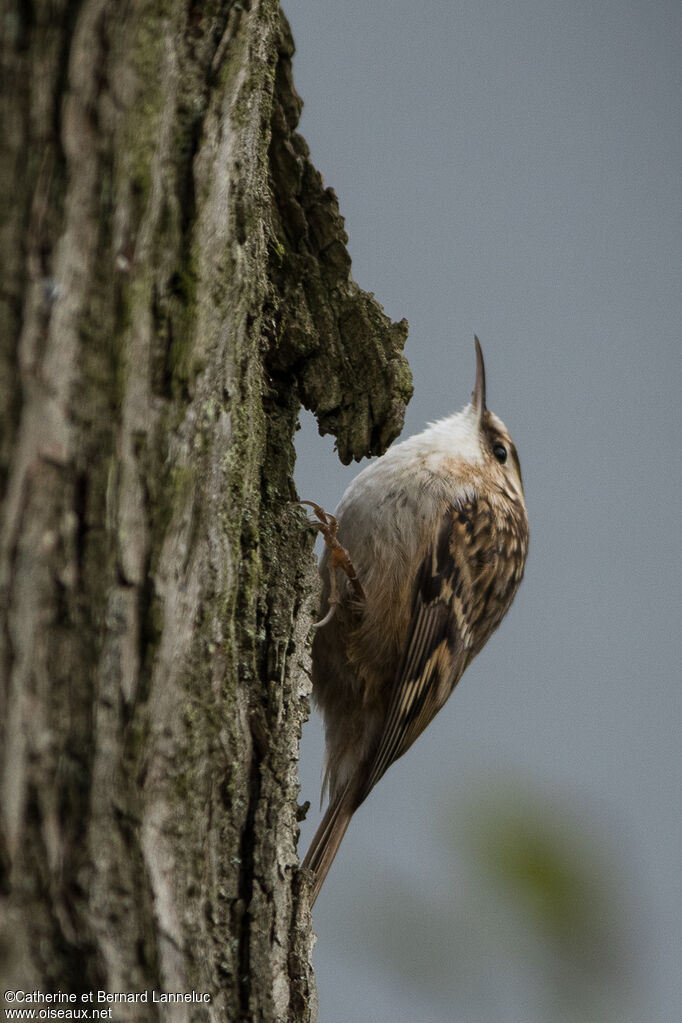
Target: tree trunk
<point x="176" y="283"/>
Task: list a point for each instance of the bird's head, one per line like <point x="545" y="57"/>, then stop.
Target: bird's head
<point x="480" y="441"/>
<point x="496" y="450"/>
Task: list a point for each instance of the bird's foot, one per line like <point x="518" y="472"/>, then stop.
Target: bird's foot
<point x="339" y="557"/>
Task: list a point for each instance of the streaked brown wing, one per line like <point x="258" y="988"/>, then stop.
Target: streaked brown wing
<point x="435" y="653"/>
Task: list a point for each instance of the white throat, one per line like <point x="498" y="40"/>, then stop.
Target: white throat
<point x="458" y="434"/>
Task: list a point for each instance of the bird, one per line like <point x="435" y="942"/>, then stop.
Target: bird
<point x="422" y="560"/>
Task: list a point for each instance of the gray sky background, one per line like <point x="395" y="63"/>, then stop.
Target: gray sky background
<point x="514" y="169"/>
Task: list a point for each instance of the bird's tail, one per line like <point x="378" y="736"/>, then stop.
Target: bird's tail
<point x="328" y="836"/>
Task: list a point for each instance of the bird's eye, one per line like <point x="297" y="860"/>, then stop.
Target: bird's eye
<point x="500" y="453"/>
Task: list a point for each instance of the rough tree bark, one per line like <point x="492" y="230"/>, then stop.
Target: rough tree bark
<point x="175" y="284"/>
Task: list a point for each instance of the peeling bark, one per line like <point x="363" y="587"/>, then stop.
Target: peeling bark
<point x="175" y="285"/>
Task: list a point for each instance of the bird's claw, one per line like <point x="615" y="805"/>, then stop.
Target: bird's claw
<point x="339" y="557"/>
<point x="326" y="524"/>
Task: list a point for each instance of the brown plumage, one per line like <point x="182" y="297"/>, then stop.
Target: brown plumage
<point x="436" y="536"/>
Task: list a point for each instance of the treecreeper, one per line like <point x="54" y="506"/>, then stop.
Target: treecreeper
<point x="422" y="560"/>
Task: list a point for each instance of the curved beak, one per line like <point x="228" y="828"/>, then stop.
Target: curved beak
<point x="478" y="394"/>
